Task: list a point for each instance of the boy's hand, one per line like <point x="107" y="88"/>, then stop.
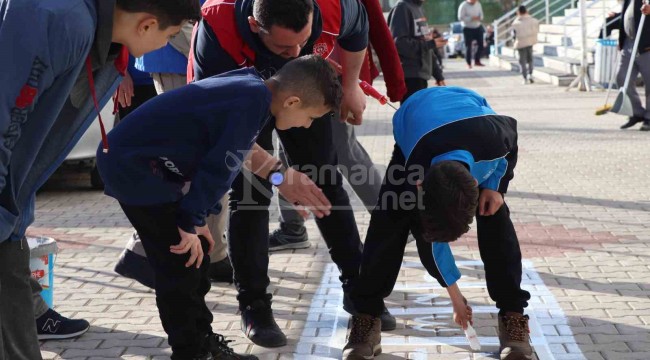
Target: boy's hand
<point x="645" y="9"/>
<point x="125" y="91"/>
<point x="462" y="313"/>
<point x="192" y="243"/>
<point x="489" y="202"/>
<point x="304" y="195"/>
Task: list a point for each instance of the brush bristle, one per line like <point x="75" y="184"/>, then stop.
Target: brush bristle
<point x="603" y="110"/>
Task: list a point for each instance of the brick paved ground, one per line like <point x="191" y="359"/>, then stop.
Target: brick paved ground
<point x="580" y="201"/>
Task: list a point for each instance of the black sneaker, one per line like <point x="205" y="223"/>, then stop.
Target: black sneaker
<point x="221" y="271"/>
<point x="136" y="267"/>
<point x="220" y="350"/>
<point x="53" y="325"/>
<point x="284" y="239"/>
<point x="259" y="326"/>
<point x="388" y="321"/>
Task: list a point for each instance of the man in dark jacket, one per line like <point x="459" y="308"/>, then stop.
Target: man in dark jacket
<point x="46" y="79"/>
<point x="415" y="45"/>
<point x="267" y="34"/>
<point x="630" y="18"/>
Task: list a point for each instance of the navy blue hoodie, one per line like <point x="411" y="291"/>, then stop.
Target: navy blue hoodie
<point x="45" y="105"/>
<point x="199" y="133"/>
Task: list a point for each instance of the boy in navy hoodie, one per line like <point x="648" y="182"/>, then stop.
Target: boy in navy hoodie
<point x="55" y="54"/>
<point x="200" y="134"/>
<point x="453" y="160"/>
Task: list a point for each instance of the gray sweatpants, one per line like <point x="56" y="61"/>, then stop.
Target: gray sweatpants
<point x="641" y="65"/>
<point x="18" y="340"/>
<point x="526" y="60"/>
<point x="355" y="165"/>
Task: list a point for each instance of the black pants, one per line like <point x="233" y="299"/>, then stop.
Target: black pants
<point x="180" y="290"/>
<point x="414" y="85"/>
<point x="472" y="35"/>
<point x="386" y="240"/>
<point x="312" y="152"/>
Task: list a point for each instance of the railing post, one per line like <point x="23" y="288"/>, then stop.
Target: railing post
<point x="548" y="12"/>
<point x="496" y="37"/>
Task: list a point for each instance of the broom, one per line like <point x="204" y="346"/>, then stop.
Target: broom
<point x="607" y="107"/>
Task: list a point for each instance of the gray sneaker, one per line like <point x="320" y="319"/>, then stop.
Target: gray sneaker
<point x="283" y="239"/>
<point x="364" y="341"/>
<point x="514" y="337"/>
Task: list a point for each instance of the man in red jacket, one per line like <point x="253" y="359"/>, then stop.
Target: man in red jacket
<point x="267" y="34"/>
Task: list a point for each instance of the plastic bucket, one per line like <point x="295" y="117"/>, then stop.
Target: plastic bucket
<point x="41" y="263"/>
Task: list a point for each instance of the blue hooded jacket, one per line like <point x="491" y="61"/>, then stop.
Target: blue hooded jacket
<point x="454" y="123"/>
<point x="45" y="105"/>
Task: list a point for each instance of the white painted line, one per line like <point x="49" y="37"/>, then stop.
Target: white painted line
<point x="326" y="316"/>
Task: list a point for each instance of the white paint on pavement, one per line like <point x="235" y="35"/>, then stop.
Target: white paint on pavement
<point x="325" y="331"/>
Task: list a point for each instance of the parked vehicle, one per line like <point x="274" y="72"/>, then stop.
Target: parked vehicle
<point x="455" y="40"/>
<point x="85" y="150"/>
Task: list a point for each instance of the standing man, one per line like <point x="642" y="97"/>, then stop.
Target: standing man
<point x="470" y="14"/>
<point x="415" y="44"/>
<point x="267" y="34"/>
<point x="526" y="28"/>
<point x="630" y="17"/>
<point x="292" y="233"/>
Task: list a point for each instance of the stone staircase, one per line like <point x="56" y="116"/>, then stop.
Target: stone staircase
<point x="557" y="54"/>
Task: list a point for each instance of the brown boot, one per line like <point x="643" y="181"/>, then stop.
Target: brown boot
<point x="514" y="337"/>
<point x="364" y="341"/>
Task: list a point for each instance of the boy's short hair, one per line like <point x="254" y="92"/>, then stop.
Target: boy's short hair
<point x="449" y="201"/>
<point x="290" y="14"/>
<point x="313" y="79"/>
<point x="168" y="12"/>
<point x="522" y="9"/>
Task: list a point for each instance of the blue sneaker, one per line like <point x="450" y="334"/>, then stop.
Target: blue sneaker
<point x="53" y="325"/>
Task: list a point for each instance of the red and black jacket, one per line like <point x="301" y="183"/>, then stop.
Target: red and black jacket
<point x="223" y="41"/>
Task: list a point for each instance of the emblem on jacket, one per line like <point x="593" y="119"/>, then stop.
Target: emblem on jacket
<point x="320" y="49"/>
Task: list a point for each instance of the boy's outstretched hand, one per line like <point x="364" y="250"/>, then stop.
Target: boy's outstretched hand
<point x="462" y="311"/>
<point x="192" y="243"/>
<point x="304" y="194"/>
<point x="489" y="202"/>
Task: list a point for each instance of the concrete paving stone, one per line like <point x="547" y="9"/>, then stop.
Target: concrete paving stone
<point x="588" y="240"/>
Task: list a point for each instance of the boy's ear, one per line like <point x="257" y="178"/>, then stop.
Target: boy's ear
<point x="292" y="101"/>
<point x="252" y="23"/>
<point x="147" y="23"/>
<point x="418" y="183"/>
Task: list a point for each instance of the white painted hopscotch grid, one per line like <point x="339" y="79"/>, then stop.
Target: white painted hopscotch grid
<point x="325" y="330"/>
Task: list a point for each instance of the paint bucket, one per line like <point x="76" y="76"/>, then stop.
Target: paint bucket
<point x="42" y="251"/>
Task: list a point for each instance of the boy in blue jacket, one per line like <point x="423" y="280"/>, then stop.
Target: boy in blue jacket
<point x="55" y="54"/>
<point x="453" y="159"/>
<point x="199" y="134"/>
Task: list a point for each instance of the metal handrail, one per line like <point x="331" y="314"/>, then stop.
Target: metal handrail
<point x="565" y="38"/>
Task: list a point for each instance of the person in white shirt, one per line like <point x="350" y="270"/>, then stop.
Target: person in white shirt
<point x="470" y="14"/>
<point x="526" y="28"/>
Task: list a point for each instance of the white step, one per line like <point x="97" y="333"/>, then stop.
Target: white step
<point x="543" y="74"/>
